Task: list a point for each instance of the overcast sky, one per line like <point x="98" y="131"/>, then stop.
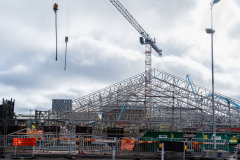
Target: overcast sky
<point x="104" y="48"/>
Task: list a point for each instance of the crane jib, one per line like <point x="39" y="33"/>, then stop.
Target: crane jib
<point x="135" y="24"/>
<point x="129" y="17"/>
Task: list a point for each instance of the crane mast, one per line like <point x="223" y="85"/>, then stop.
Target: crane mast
<point x="149" y="44"/>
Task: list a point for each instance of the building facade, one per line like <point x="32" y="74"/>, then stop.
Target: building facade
<point x="61" y="105"/>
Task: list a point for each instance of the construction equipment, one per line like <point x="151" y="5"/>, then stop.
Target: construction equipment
<point x="145" y="39"/>
<point x="227" y="100"/>
<point x="224" y="99"/>
<point x="55" y="8"/>
<point x="149" y="44"/>
<point x="190" y="81"/>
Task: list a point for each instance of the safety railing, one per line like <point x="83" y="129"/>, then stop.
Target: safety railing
<point x="48" y="142"/>
<point x="199" y="144"/>
<point x="2" y="144"/>
<point x="99" y="145"/>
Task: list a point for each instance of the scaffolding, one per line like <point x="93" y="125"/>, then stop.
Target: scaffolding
<point x="173" y="104"/>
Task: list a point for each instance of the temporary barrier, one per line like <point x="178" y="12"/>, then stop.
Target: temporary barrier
<point x="24" y="141"/>
<point x="139" y="145"/>
<point x="99" y="145"/>
<point x="198" y="144"/>
<point x="47" y="142"/>
<point x="127" y="144"/>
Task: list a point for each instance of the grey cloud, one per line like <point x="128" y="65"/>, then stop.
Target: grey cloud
<point x="176" y="47"/>
<point x="234" y="31"/>
<point x="29" y="39"/>
<point x="237" y="2"/>
<point x="163" y="13"/>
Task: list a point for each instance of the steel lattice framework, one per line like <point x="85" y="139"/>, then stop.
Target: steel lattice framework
<point x="172" y="102"/>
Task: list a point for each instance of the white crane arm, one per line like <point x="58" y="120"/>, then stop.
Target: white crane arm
<point x="135" y="24"/>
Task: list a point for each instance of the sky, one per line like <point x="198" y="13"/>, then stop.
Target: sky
<point x="103" y="47"/>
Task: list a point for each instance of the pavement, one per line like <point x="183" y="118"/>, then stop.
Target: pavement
<point x="65" y="156"/>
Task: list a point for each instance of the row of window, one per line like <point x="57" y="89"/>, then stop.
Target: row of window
<point x="61" y="101"/>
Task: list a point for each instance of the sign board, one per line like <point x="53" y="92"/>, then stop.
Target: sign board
<point x="217" y="137"/>
<point x="235" y="149"/>
<point x="219" y="154"/>
<point x="24" y="141"/>
<point x="162" y="136"/>
<point x="233" y="141"/>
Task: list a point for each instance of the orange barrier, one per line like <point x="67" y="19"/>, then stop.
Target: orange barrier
<point x="127" y="144"/>
<point x="24" y="141"/>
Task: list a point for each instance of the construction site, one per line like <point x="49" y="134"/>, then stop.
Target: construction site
<point x="131" y="112"/>
<point x="152" y="115"/>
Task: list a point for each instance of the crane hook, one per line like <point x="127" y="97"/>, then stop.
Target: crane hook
<point x="55" y="7"/>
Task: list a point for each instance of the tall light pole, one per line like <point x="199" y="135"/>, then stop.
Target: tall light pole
<point x="211" y="31"/>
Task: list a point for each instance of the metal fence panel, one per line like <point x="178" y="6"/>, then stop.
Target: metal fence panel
<point x="198" y="144"/>
<point x="97" y="144"/>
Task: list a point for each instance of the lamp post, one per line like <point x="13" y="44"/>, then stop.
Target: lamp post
<point x="211" y="31"/>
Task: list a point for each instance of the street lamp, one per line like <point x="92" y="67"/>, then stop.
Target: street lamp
<point x="211" y="31"/>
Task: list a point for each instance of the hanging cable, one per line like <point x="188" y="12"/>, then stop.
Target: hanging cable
<point x="67" y="18"/>
<point x="55" y="8"/>
<point x="67" y="31"/>
<point x="66" y="40"/>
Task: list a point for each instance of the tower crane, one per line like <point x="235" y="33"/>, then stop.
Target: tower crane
<point x="145" y="39"/>
<point x="149" y="44"/>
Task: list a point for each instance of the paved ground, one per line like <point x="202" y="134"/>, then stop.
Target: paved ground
<point x="88" y="158"/>
<point x="65" y="156"/>
<point x="79" y="158"/>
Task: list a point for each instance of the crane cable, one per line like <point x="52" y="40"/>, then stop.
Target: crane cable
<point x="67" y="32"/>
<point x="66" y="40"/>
<point x="55" y="8"/>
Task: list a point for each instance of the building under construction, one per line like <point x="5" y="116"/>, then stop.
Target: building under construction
<point x="133" y="116"/>
<point x="137" y="116"/>
<point x="166" y="101"/>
